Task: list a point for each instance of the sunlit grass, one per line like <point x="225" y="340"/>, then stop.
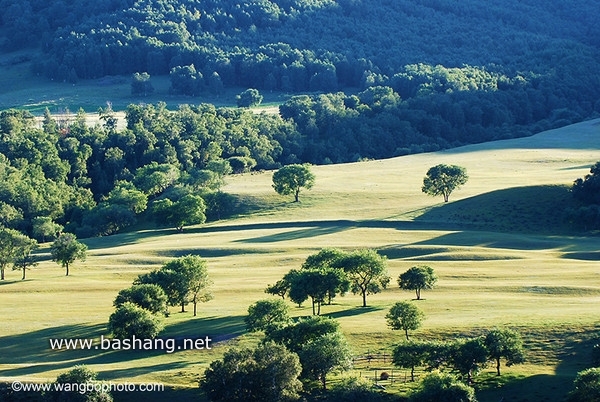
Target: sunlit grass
<point x="516" y="270"/>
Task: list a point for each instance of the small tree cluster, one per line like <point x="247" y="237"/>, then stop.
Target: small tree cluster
<point x="331" y="272"/>
<point x="15" y="251"/>
<point x="465" y="356"/>
<point x="178" y="282"/>
<point x="308" y="348"/>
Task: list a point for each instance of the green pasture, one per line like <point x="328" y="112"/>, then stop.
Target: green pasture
<point x="21" y="89"/>
<point x="503" y="252"/>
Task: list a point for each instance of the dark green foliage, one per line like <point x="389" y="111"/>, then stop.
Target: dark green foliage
<point x="186" y="80"/>
<point x="292" y="178"/>
<point x="299" y="333"/>
<point x="23" y="259"/>
<point x="83" y="377"/>
<point x="410" y="355"/>
<point x="356" y="390"/>
<point x="280" y="288"/>
<point x="504" y="343"/>
<point x="268" y="373"/>
<point x="188" y="210"/>
<point x="443" y="180"/>
<point x="404" y="316"/>
<point x="249" y="98"/>
<point x="15" y="249"/>
<point x="141" y="85"/>
<point x="417" y="278"/>
<point x="437" y="387"/>
<point x="267" y="315"/>
<point x="587" y="191"/>
<point x="324" y="354"/>
<point x="130" y="320"/>
<point x="468" y="356"/>
<point x="183" y="280"/>
<point x="586" y="387"/>
<point x="596" y="355"/>
<point x="147" y="296"/>
<point x="66" y="249"/>
<point x="367" y="271"/>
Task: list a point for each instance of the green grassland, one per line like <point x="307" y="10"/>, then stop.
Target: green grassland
<point x="504" y="255"/>
<point x="21" y="89"/>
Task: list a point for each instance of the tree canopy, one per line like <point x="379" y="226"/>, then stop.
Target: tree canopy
<point x="241" y="375"/>
<point x="66" y="249"/>
<point x="405" y="316"/>
<point x="292" y="178"/>
<point x="443" y="180"/>
<point x="417" y="278"/>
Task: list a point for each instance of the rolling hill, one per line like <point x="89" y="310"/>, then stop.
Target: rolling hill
<point x="538" y="280"/>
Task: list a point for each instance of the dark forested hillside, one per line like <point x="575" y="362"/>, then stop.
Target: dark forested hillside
<point x="299" y="44"/>
<point x="385" y="78"/>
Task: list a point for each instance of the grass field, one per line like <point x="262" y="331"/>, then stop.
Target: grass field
<point x="503" y="253"/>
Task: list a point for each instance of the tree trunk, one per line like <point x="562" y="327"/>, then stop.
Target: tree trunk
<point x="418" y="291"/>
<point x="67" y="266"/>
<point x="364" y="296"/>
<point x="323" y="380"/>
<point x="2" y="274"/>
<point x="498" y="366"/>
<point x="412" y="374"/>
<point x="195" y="303"/>
<point x="183" y="307"/>
<point x="297" y="194"/>
<point x="23" y="278"/>
<point x="406" y="333"/>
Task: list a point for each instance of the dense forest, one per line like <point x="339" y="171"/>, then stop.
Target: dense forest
<point x="367" y="80"/>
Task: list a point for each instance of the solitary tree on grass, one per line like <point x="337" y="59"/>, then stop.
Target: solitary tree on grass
<point x="291" y="179"/>
<point x="443" y="180"/>
<point x="417" y="278"/>
<point x="405" y="316"/>
<point x="66" y="249"/>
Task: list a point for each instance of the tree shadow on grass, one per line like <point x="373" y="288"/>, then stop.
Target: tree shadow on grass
<point x="352" y="312"/>
<point x="30" y="353"/>
<point x="219" y="329"/>
<point x="530" y="209"/>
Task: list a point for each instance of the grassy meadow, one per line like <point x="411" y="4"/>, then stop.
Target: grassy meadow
<point x="504" y="256"/>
